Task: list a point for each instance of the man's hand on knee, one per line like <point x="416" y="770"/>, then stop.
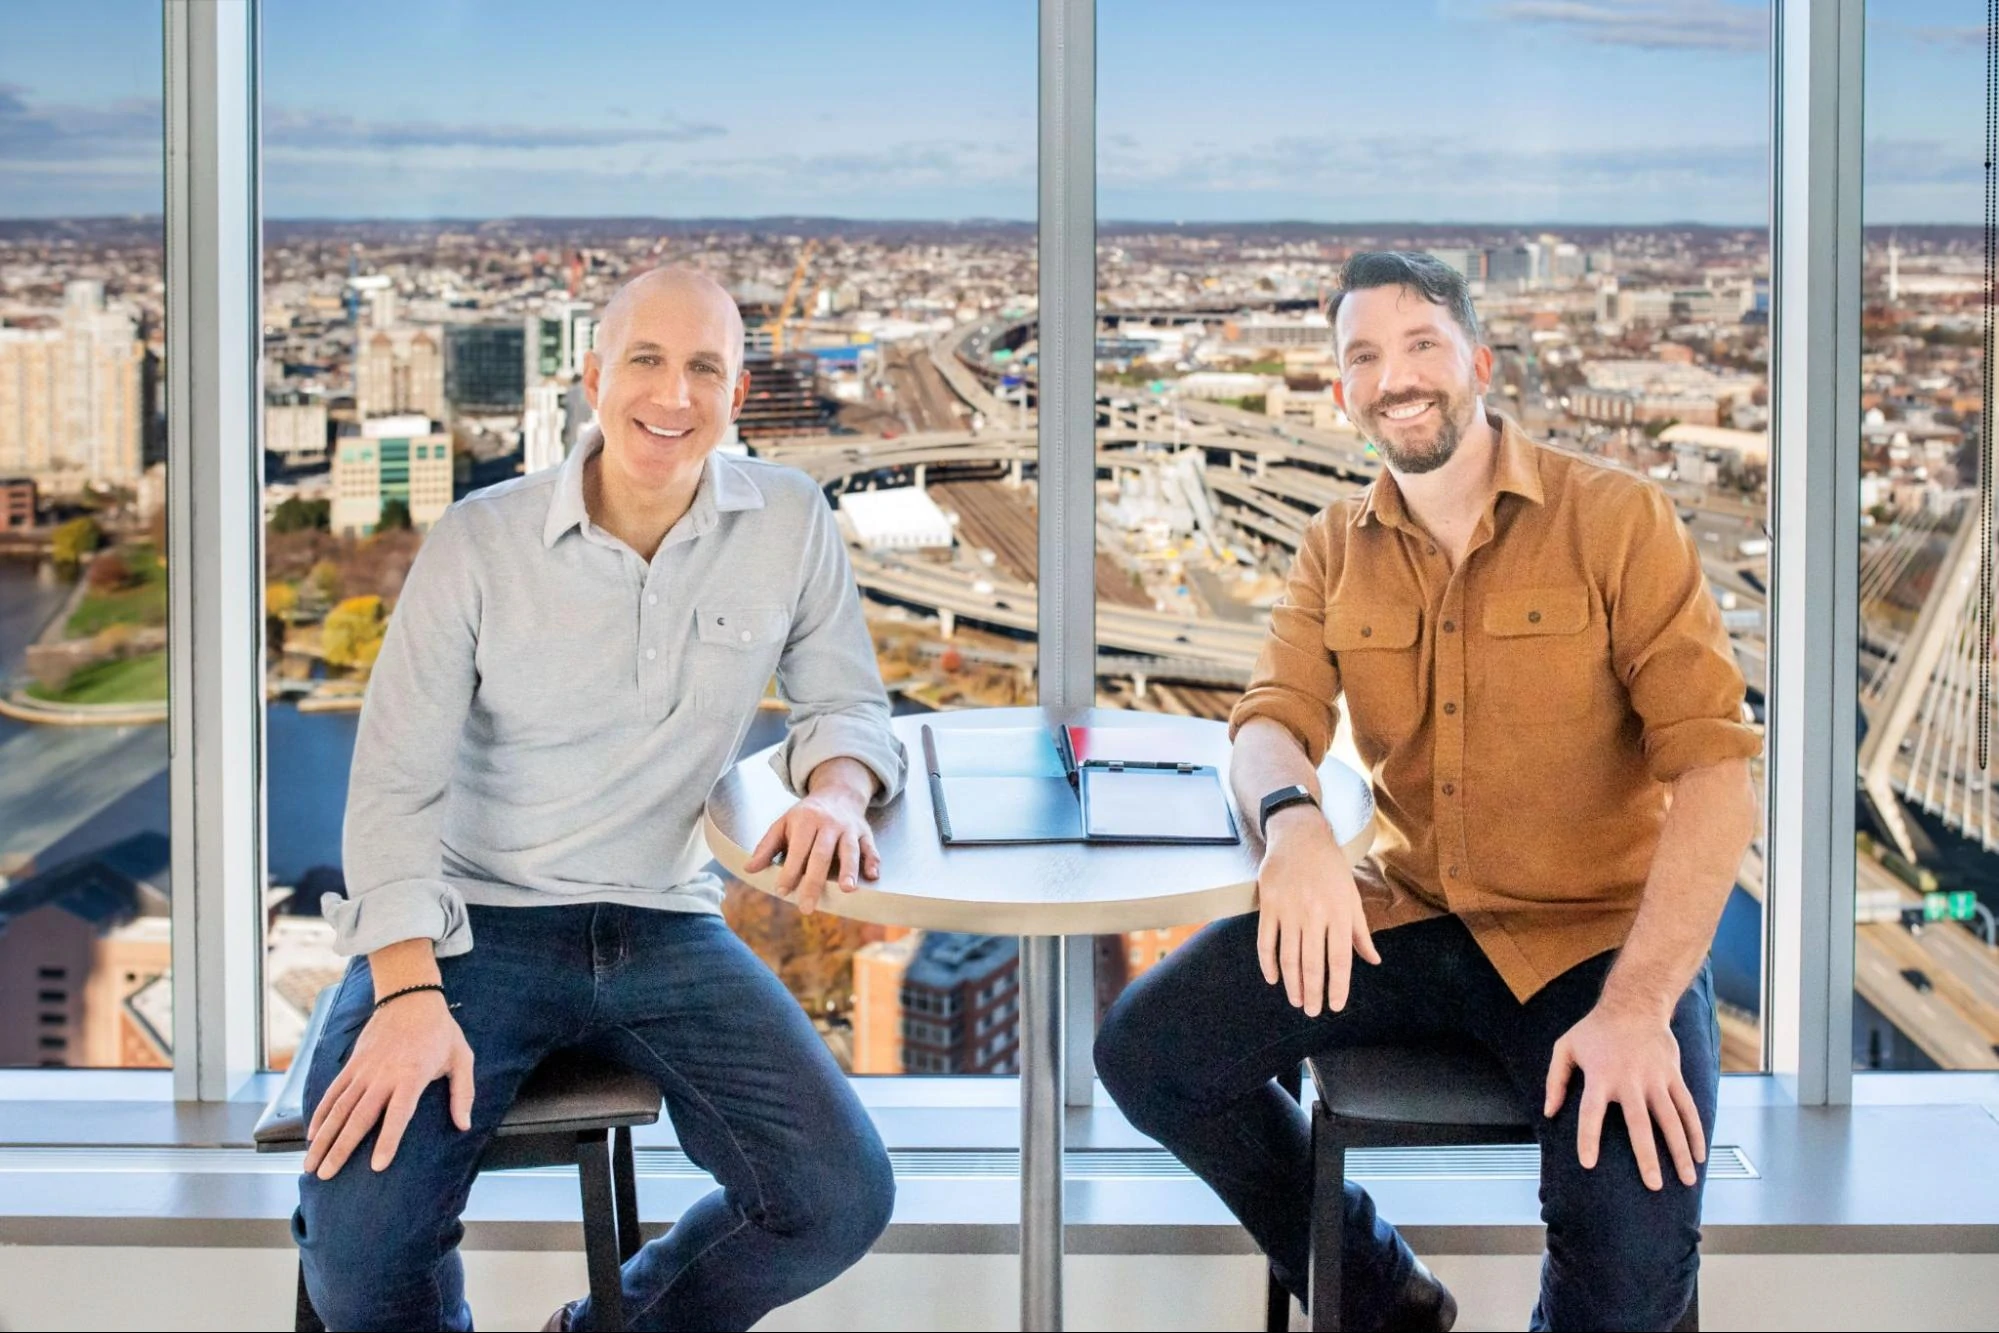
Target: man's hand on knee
<point x="1631" y="1058"/>
<point x="1310" y="923"/>
<point x="405" y="1047"/>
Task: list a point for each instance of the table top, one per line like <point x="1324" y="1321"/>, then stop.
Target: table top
<point x="1034" y="889"/>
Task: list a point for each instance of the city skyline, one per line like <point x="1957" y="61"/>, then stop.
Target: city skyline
<point x="1616" y="112"/>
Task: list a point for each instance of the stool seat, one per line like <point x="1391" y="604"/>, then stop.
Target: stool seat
<point x="1460" y="1086"/>
<point x="566" y="1093"/>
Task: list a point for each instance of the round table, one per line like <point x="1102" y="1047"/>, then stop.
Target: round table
<point x="1040" y="892"/>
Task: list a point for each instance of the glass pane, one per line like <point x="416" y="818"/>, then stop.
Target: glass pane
<point x="437" y="254"/>
<point x="85" y="962"/>
<point x="1926" y="972"/>
<point x="1619" y="255"/>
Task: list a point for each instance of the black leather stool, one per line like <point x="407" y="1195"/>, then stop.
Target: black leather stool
<point x="571" y="1110"/>
<point x="1397" y="1097"/>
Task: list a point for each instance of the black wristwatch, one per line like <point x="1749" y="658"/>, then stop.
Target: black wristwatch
<point x="1278" y="800"/>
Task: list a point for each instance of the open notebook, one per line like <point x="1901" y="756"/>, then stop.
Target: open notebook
<point x="1072" y="784"/>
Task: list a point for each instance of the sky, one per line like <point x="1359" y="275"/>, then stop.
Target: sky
<point x="1432" y="111"/>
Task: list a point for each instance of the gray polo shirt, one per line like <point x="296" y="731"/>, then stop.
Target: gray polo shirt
<point x="550" y="711"/>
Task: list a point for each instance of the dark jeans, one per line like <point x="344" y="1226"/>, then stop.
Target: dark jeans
<point x="1190" y="1053"/>
<point x="753" y="1094"/>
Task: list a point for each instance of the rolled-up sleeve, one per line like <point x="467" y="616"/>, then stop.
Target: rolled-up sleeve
<point x="1670" y="647"/>
<point x="829" y="677"/>
<point x="418" y="696"/>
<point x="1296" y="679"/>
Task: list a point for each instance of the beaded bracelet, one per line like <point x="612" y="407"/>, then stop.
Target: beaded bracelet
<point x="412" y="990"/>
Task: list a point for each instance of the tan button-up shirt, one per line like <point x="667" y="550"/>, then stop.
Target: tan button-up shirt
<point x="1521" y="715"/>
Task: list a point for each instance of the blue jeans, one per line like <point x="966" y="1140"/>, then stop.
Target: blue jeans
<point x="1191" y="1051"/>
<point x="754" y="1097"/>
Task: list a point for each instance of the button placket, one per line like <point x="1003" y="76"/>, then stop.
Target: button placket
<point x="1447" y="759"/>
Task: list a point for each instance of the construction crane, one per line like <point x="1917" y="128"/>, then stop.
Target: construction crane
<point x="783" y="319"/>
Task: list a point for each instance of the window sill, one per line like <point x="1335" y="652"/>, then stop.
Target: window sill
<point x="1894" y="1174"/>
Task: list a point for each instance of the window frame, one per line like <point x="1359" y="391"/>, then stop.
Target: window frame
<point x="213" y="228"/>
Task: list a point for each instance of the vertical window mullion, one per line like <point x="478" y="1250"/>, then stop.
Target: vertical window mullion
<point x="1815" y="362"/>
<point x="216" y="623"/>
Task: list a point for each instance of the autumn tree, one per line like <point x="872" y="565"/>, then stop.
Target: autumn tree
<point x="351" y="636"/>
<point x="74" y="540"/>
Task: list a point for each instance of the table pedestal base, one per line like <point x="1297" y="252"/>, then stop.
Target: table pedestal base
<point x="1041" y="1136"/>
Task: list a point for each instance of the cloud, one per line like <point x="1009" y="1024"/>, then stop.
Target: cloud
<point x="1923" y="162"/>
<point x="301" y="129"/>
<point x="49" y="131"/>
<point x="1970" y="34"/>
<point x="1651" y="25"/>
<point x="1344" y="165"/>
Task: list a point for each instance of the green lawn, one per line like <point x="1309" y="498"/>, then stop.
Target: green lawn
<point x="144" y="603"/>
<point x="134" y="680"/>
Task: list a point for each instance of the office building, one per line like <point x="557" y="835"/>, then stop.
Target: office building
<point x="399" y="371"/>
<point x="295" y="427"/>
<point x="1517" y="267"/>
<point x="961" y="1005"/>
<point x="85" y="962"/>
<point x="784" y="397"/>
<point x="392" y="458"/>
<point x="542" y="434"/>
<point x="485" y="367"/>
<point x="555" y="340"/>
<point x="70" y="395"/>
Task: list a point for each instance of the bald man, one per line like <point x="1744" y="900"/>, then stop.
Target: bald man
<point x="572" y="665"/>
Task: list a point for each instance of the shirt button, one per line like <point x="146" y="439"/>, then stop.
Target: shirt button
<point x="652" y="599"/>
<point x="1449" y="790"/>
<point x="1431" y="549"/>
<point x="1533" y="617"/>
<point x="1450" y="626"/>
<point x="650" y="654"/>
<point x="1367" y="631"/>
<point x="747" y="636"/>
<point x="1454" y="872"/>
<point x="1450" y="708"/>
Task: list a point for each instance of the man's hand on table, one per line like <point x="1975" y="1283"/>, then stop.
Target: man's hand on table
<point x="407" y="1045"/>
<point x="826" y="830"/>
<point x="1627" y="1054"/>
<point x="1309" y="918"/>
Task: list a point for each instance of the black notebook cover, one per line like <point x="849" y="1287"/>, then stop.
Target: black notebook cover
<point x="1023" y="785"/>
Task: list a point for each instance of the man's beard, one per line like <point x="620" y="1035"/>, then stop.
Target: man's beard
<point x="1414" y="461"/>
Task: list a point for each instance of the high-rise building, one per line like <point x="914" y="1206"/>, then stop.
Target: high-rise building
<point x="485" y="366"/>
<point x="295" y="427"/>
<point x="556" y="340"/>
<point x="399" y="371"/>
<point x="70" y="396"/>
<point x="541" y="428"/>
<point x="392" y="458"/>
<point x="879" y="968"/>
<point x="783" y="398"/>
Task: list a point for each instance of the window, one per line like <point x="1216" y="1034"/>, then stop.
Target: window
<point x="84" y="821"/>
<point x="437" y="252"/>
<point x="1926" y="952"/>
<point x="1613" y="218"/>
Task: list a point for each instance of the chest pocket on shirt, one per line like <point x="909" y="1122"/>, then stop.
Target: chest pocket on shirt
<point x="1543" y="662"/>
<point x="735" y="650"/>
<point x="1374" y="645"/>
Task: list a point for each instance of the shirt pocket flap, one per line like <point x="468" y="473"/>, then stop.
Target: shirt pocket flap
<point x="741" y="626"/>
<point x="1351" y="628"/>
<point x="1531" y="611"/>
